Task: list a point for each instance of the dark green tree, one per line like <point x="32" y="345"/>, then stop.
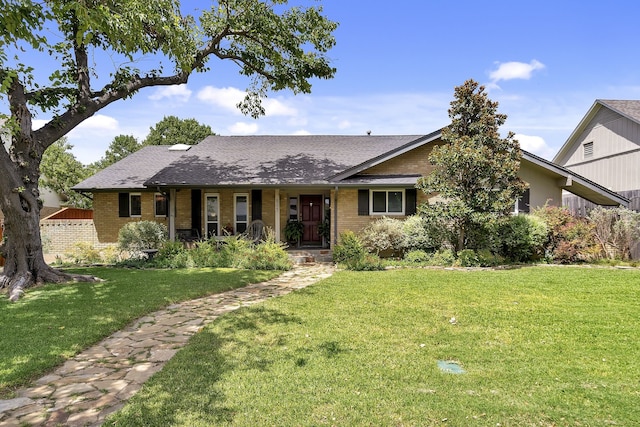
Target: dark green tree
<point x="69" y="59"/>
<point x="120" y="147"/>
<point x="60" y="170"/>
<point x="476" y="170"/>
<point x="172" y="130"/>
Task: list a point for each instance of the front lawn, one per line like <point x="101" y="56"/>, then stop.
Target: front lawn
<point x="51" y="324"/>
<point x="540" y="346"/>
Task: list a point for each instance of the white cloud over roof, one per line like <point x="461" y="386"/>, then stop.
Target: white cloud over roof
<point x="515" y="70"/>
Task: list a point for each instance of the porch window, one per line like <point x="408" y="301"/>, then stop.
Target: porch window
<point x="241" y="212"/>
<point x="293" y="208"/>
<point x="161" y="205"/>
<point x="387" y="202"/>
<point x="212" y="214"/>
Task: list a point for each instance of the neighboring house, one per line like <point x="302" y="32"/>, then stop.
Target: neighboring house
<point x="605" y="148"/>
<point x="225" y="182"/>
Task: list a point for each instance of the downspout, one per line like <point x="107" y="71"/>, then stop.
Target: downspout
<point x="334" y="241"/>
<point x="277" y="212"/>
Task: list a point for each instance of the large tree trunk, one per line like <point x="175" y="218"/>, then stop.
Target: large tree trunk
<point x="20" y="203"/>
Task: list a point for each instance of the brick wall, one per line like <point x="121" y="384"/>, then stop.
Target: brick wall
<point x="107" y="222"/>
<point x="60" y="235"/>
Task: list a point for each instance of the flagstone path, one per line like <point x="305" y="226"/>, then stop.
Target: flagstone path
<point x="98" y="381"/>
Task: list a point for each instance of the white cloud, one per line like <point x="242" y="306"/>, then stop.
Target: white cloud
<point x="178" y="92"/>
<point x="229" y="97"/>
<point x="536" y="145"/>
<point x="515" y="70"/>
<point x="301" y="132"/>
<point x="99" y="122"/>
<point x="241" y="128"/>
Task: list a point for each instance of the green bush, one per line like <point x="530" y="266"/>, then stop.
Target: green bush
<point x="520" y="238"/>
<point x="206" y="254"/>
<point x="233" y="251"/>
<point x="384" y="235"/>
<point x="83" y="253"/>
<point x="417" y="256"/>
<point x="268" y="255"/>
<point x="369" y="262"/>
<point x="467" y="258"/>
<point x="349" y="247"/>
<point x="419" y="234"/>
<point x="443" y="257"/>
<point x="140" y="235"/>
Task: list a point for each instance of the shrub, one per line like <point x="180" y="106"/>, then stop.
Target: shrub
<point x="206" y="254"/>
<point x="616" y="230"/>
<point x="417" y="256"/>
<point x="468" y="258"/>
<point x="140" y="235"/>
<point x="418" y="235"/>
<point x="268" y="255"/>
<point x="384" y="235"/>
<point x="369" y="262"/>
<point x="520" y="238"/>
<point x="233" y="251"/>
<point x="83" y="253"/>
<point x="349" y="247"/>
<point x="443" y="257"/>
<point x="110" y="254"/>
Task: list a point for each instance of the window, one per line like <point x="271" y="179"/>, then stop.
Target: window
<point x="523" y="204"/>
<point x="387" y="202"/>
<point x="588" y="149"/>
<point x="293" y="208"/>
<point x="129" y="205"/>
<point x="241" y="212"/>
<point x="161" y="205"/>
<point x="212" y="213"/>
<point x="135" y="204"/>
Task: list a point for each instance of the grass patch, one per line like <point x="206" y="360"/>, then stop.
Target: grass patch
<point x="52" y="323"/>
<point x="540" y="346"/>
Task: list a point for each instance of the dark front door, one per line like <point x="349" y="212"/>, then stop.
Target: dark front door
<point x="311" y="210"/>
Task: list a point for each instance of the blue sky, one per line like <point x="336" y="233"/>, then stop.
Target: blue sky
<point x="398" y="62"/>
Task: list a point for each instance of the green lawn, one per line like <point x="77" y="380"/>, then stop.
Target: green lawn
<point x="541" y="346"/>
<point x="54" y="322"/>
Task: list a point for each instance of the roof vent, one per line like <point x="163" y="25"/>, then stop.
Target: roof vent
<point x="179" y="147"/>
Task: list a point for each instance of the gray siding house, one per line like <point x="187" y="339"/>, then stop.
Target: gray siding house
<point x="605" y="148"/>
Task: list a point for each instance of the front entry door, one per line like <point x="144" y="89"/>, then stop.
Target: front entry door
<point x="311" y="210"/>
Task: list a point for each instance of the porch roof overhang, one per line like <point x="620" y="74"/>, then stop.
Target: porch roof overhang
<point x="576" y="184"/>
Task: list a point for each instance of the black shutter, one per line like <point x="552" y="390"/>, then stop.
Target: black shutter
<point x="256" y="204"/>
<point x="363" y="202"/>
<point x="524" y="205"/>
<point x="196" y="211"/>
<point x="411" y="203"/>
<point x="123" y="205"/>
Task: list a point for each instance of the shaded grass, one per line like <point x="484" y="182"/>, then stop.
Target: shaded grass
<point x="540" y="345"/>
<point x="52" y="323"/>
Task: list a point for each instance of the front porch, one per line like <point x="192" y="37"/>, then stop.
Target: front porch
<point x="217" y="212"/>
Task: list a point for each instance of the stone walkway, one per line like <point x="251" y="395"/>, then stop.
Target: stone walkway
<point x="98" y="381"/>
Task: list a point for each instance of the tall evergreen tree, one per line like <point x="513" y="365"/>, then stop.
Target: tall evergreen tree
<point x="476" y="170"/>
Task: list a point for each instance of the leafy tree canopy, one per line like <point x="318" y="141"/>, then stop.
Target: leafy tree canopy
<point x="172" y="130"/>
<point x="476" y="170"/>
<point x="60" y="171"/>
<point x="120" y="147"/>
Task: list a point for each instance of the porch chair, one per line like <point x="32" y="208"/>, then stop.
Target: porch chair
<point x="255" y="231"/>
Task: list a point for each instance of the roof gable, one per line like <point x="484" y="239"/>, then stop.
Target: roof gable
<point x="629" y="109"/>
